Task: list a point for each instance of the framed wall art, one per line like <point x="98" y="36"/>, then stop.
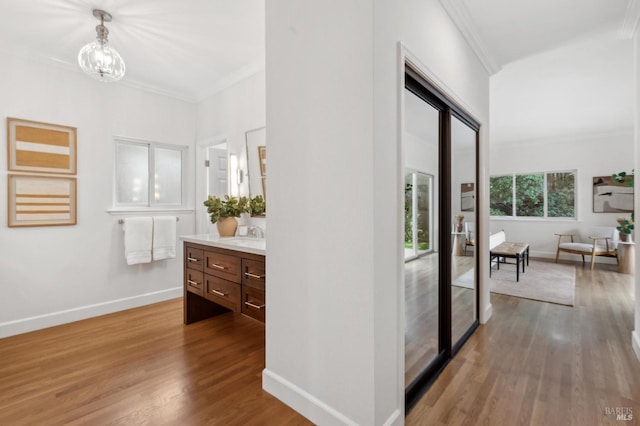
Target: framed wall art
<point x="467" y="197"/>
<point x="610" y="196"/>
<point x="41" y="200"/>
<point x="36" y="147"/>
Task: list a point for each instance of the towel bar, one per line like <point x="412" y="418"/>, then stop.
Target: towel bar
<point x="121" y="221"/>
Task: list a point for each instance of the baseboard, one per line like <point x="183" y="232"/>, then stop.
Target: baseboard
<point x="635" y="342"/>
<point x="304" y="403"/>
<point x="486" y="314"/>
<point x="39" y="322"/>
<point x="311" y="407"/>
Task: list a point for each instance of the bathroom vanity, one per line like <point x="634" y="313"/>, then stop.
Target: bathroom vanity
<point x="223" y="274"/>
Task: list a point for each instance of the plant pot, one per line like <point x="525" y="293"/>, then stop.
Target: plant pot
<point x="624" y="236"/>
<point x="459" y="227"/>
<point x="227" y="226"/>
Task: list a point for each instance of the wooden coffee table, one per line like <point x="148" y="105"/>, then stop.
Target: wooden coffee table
<point x="517" y="251"/>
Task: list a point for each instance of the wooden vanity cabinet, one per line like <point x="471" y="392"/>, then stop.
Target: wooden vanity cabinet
<point x="217" y="280"/>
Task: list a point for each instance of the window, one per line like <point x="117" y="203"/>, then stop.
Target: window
<point x="149" y="174"/>
<point x="541" y="195"/>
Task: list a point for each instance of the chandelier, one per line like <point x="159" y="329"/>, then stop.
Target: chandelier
<point x="98" y="59"/>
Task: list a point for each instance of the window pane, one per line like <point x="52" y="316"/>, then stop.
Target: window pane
<point x="561" y="191"/>
<point x="530" y="195"/>
<point x="501" y="196"/>
<point x="132" y="174"/>
<point x="168" y="176"/>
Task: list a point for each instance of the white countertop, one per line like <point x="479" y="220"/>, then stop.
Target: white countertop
<point x="244" y="244"/>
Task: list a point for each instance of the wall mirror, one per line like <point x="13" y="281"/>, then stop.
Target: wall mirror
<point x="256" y="141"/>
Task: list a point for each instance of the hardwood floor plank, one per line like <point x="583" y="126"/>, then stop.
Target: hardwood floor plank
<point x="141" y="366"/>
<point x="538" y="363"/>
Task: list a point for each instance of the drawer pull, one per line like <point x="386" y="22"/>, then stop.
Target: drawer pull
<point x="193" y="283"/>
<point x="250" y="275"/>
<point x="214" y="265"/>
<point x="193" y="259"/>
<point x="253" y="305"/>
<point x="219" y="293"/>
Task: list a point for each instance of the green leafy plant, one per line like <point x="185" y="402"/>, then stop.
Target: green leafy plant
<point x="257" y="206"/>
<point x="219" y="208"/>
<point x="625" y="224"/>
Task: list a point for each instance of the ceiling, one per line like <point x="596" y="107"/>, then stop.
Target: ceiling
<point x="548" y="58"/>
<point x="183" y="48"/>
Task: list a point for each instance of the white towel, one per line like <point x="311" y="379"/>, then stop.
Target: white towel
<point x="138" y="233"/>
<point x="164" y="237"/>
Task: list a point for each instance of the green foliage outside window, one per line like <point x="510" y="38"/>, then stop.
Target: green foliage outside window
<point x="501" y="198"/>
<point x="531" y="195"/>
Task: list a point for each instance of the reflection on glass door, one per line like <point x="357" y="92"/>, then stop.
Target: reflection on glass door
<point x="422" y="274"/>
<point x="463" y="256"/>
<point x="417" y="214"/>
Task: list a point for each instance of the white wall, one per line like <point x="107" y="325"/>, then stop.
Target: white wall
<point x="227" y="115"/>
<point x="50" y="275"/>
<point x="334" y="333"/>
<point x="594" y="155"/>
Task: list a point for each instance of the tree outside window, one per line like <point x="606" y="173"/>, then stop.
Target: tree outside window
<point x="550" y="194"/>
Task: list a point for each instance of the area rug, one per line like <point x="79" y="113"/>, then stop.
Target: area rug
<point x="465" y="280"/>
<point x="544" y="281"/>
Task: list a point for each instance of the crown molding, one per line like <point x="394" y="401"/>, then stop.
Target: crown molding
<point x="462" y="19"/>
<point x="631" y="18"/>
<point x="231" y="79"/>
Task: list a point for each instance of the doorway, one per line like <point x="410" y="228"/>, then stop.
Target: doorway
<point x="441" y="297"/>
<point x="418" y="193"/>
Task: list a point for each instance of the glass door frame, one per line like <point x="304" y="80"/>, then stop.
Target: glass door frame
<point x="420" y="87"/>
<point x="414" y="217"/>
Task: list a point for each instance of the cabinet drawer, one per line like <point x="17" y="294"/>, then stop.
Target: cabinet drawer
<point x="253" y="303"/>
<point x="253" y="274"/>
<point x="194" y="281"/>
<point x="223" y="266"/>
<point x="222" y="292"/>
<point x="194" y="258"/>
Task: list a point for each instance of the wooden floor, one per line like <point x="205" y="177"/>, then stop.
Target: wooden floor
<point x="140" y="367"/>
<point x="534" y="363"/>
<point x="421" y="310"/>
<point x="538" y="363"/>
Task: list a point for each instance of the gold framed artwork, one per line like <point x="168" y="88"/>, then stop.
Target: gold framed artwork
<point x="36" y="147"/>
<point x="41" y="200"/>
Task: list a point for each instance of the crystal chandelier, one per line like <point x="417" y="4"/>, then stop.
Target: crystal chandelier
<point x="98" y="59"/>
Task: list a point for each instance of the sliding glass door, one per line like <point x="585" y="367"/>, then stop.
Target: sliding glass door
<point x="417" y="214"/>
<point x="441" y="298"/>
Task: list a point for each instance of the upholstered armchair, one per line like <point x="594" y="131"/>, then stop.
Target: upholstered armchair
<point x="604" y="243"/>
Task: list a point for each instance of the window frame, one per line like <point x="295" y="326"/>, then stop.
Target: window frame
<point x="545" y="197"/>
<point x="152" y="205"/>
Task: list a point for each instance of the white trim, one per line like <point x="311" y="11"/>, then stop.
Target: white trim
<point x="223" y="83"/>
<point x="306" y="404"/>
<point x="461" y="17"/>
<point x="24" y="325"/>
<point x="233" y="78"/>
<point x="630" y="23"/>
<point x="130" y="210"/>
<point x="485" y="315"/>
<point x="635" y="342"/>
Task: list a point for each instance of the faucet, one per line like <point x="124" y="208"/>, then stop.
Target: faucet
<point x="255" y="232"/>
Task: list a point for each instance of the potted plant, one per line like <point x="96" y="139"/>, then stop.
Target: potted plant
<point x="257" y="206"/>
<point x="625" y="224"/>
<point x="224" y="211"/>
